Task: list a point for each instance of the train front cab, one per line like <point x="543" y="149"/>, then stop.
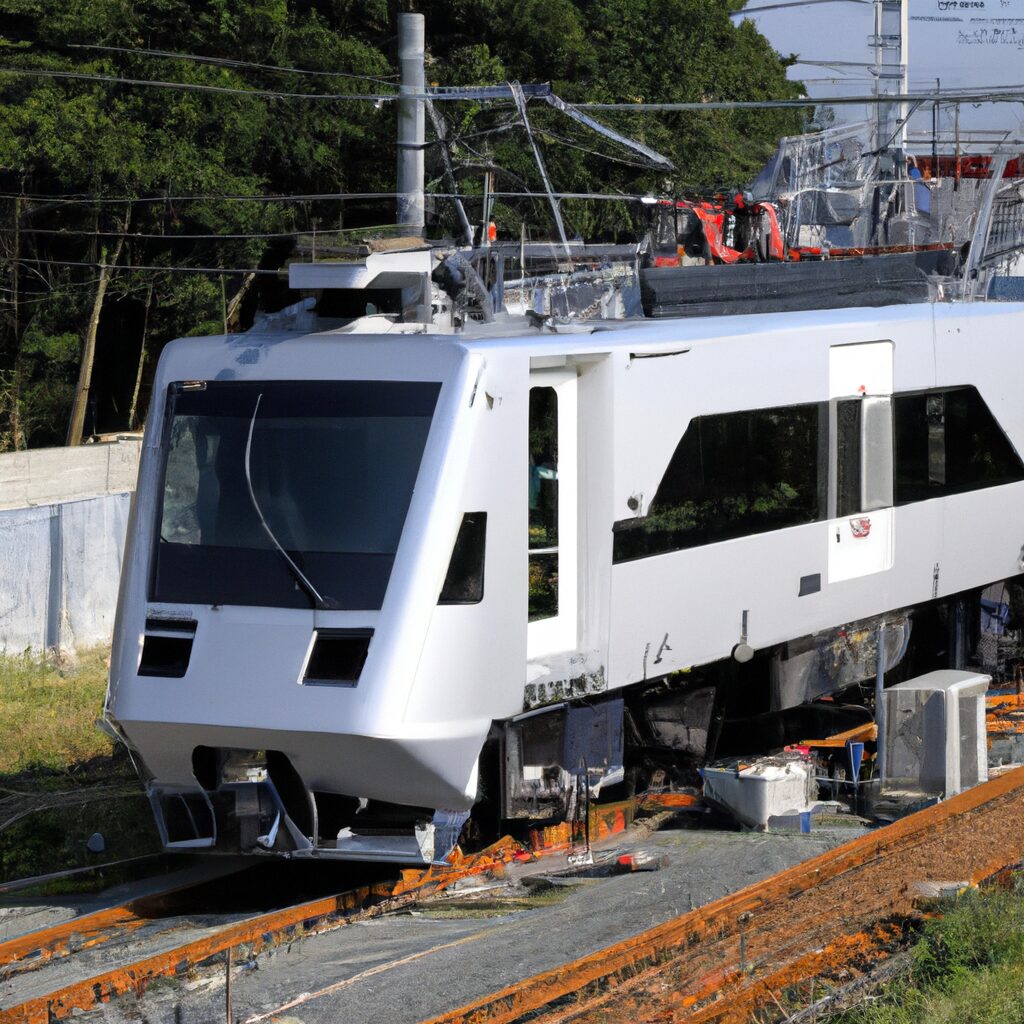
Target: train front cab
<point x="294" y="676"/>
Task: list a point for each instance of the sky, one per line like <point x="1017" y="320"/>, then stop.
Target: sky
<point x="962" y="43"/>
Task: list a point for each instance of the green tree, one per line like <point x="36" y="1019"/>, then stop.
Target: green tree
<point x="112" y="143"/>
<point x="129" y="160"/>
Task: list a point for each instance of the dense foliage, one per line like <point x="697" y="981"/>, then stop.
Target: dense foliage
<point x="77" y="156"/>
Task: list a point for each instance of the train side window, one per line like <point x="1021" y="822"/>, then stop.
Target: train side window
<point x="543" y="519"/>
<point x="978" y="453"/>
<point x="464" y="583"/>
<point x="948" y="442"/>
<point x="863" y="455"/>
<point x="732" y="475"/>
<point x="848" y="456"/>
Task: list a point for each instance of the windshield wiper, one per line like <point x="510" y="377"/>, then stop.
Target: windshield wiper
<point x="318" y="600"/>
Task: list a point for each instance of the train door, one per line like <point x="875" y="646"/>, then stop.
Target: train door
<point x="552" y="544"/>
<point x="861" y="515"/>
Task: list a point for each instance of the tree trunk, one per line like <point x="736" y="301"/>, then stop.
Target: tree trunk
<point x="234" y="316"/>
<point x="17" y="435"/>
<point x="133" y="409"/>
<point x="77" y="424"/>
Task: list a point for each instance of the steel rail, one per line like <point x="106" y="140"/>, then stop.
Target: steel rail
<point x="262" y="931"/>
<point x="35" y="950"/>
<point x="719" y="962"/>
<point x="33" y="881"/>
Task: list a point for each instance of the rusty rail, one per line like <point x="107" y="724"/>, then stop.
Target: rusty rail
<point x="720" y="962"/>
<point x="253" y="935"/>
<point x="34" y="950"/>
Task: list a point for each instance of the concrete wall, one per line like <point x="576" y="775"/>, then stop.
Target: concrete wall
<point x="63" y="518"/>
<point x="46" y="476"/>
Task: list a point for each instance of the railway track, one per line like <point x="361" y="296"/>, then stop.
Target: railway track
<point x="181" y="946"/>
<point x="94" y="958"/>
<point x="833" y="915"/>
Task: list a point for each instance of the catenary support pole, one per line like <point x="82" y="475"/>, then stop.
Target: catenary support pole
<point x="880" y="722"/>
<point x="449" y="172"/>
<point x="890" y="45"/>
<point x="411" y="124"/>
<point x="520" y="101"/>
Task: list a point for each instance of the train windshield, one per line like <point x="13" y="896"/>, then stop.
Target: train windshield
<point x="287" y="493"/>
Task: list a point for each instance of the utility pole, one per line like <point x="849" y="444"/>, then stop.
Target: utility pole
<point x="411" y="124"/>
<point x="891" y="47"/>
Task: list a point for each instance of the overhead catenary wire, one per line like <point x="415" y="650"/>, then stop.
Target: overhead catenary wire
<point x="302" y="197"/>
<point x="196" y="86"/>
<point x="547" y="134"/>
<point x="157" y="269"/>
<point x="228" y="62"/>
<point x="80" y="198"/>
<point x="984" y="94"/>
<point x="947" y="97"/>
<point x="39" y="297"/>
<point x="153" y="267"/>
<point x="792" y="3"/>
<point x="169" y="236"/>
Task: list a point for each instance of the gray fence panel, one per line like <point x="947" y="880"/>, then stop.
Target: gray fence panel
<point x="92" y="546"/>
<point x="24" y="578"/>
<point x="59" y="571"/>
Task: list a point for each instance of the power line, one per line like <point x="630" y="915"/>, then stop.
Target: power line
<point x="226" y="62"/>
<point x="835" y="63"/>
<point x="170" y="237"/>
<point x="82" y="197"/>
<point x="196" y="87"/>
<point x="546" y="133"/>
<point x="1013" y="94"/>
<point x="43" y="296"/>
<point x="457" y="93"/>
<point x="1001" y="94"/>
<point x="79" y="198"/>
<point x="156" y="269"/>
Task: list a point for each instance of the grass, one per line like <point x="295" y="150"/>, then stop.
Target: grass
<point x="967" y="967"/>
<point x="61" y="779"/>
<point x="48" y="711"/>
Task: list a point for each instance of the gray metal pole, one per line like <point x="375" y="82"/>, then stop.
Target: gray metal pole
<point x="890" y="69"/>
<point x="411" y="124"/>
<point x="880" y="722"/>
<point x="982" y="225"/>
<point x="520" y="101"/>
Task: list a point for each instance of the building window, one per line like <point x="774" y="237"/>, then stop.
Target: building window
<point x="732" y="475"/>
<point x="948" y="442"/>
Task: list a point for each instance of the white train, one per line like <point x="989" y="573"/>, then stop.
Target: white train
<point x="373" y="580"/>
<point x="328" y="583"/>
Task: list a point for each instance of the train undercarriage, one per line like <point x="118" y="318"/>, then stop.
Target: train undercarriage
<point x="551" y="764"/>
